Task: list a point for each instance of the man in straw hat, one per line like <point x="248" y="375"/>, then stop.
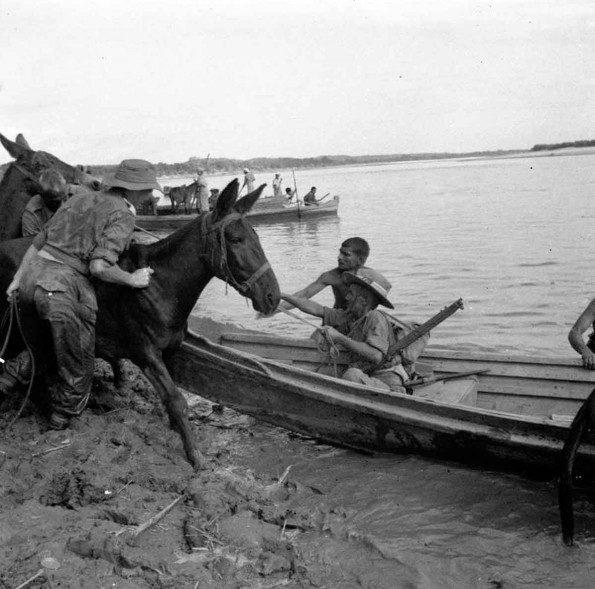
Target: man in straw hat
<point x="82" y="241"/>
<point x="361" y="329"/>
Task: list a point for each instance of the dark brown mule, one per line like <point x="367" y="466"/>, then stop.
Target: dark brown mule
<point x="148" y="325"/>
<point x="184" y="196"/>
<point x="582" y="424"/>
<point x="19" y="182"/>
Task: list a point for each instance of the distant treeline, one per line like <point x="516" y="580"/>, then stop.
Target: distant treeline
<point x="549" y="146"/>
<point x="263" y="164"/>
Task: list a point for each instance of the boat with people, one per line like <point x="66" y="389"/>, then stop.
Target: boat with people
<point x="503" y="412"/>
<point x="268" y="210"/>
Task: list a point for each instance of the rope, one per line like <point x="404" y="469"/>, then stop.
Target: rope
<point x="331" y="351"/>
<point x="14" y="312"/>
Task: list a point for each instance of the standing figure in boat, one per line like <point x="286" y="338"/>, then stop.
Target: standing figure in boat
<point x="249" y="180"/>
<point x="277" y="181"/>
<point x="83" y="240"/>
<point x="202" y="191"/>
<point x="362" y="329"/>
<point x="53" y="191"/>
<point x="353" y="254"/>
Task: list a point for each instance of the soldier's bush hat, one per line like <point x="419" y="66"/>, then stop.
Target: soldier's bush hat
<point x="373" y="281"/>
<point x="133" y="175"/>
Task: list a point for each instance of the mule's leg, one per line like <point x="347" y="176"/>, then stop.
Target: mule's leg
<point x="119" y="371"/>
<point x="583" y="420"/>
<point x="176" y="406"/>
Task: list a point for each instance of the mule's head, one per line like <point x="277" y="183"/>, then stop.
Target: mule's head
<point x="242" y="260"/>
<point x="20" y="181"/>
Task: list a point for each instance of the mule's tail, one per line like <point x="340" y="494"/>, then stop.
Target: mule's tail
<point x="580" y="424"/>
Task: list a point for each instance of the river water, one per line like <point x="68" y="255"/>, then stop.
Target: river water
<point x="510" y="237"/>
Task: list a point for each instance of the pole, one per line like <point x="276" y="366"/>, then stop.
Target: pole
<point x="297" y="198"/>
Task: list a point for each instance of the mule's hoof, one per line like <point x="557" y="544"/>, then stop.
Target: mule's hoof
<point x="197" y="460"/>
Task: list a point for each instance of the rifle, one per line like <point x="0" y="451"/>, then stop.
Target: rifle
<point x="421" y="330"/>
<point x="429" y="379"/>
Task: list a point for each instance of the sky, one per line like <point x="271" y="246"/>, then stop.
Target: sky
<point x="166" y="80"/>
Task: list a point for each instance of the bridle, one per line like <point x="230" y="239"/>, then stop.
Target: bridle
<point x="25" y="172"/>
<point x="214" y="240"/>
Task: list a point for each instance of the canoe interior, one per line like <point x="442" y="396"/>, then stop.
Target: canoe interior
<point x="552" y="388"/>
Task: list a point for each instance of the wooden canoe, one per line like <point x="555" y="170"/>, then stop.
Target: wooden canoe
<point x="518" y="419"/>
<point x="272" y="212"/>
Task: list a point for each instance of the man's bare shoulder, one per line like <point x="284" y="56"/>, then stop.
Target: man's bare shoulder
<point x="331" y="277"/>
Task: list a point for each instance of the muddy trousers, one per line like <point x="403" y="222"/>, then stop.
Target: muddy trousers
<point x="59" y="310"/>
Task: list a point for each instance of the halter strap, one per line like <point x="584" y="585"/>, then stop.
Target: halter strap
<point x="244" y="287"/>
<point x="25" y="172"/>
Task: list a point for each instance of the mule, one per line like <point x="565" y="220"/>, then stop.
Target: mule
<point x="148" y="325"/>
<point x="145" y="205"/>
<point x="583" y="422"/>
<point x="19" y="182"/>
<point x="183" y="196"/>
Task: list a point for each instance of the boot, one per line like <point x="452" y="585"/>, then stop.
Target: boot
<point x="59" y="421"/>
<point x="8" y="385"/>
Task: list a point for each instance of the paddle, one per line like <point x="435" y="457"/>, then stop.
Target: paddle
<point x="321" y="199"/>
<point x="297" y="198"/>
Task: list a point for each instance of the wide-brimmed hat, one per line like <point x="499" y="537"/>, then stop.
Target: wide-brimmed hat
<point x="133" y="175"/>
<point x="373" y="281"/>
<point x="246" y="170"/>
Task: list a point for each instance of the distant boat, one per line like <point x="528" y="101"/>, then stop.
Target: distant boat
<point x="266" y="210"/>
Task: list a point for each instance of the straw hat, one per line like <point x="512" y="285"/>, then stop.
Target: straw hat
<point x="133" y="175"/>
<point x="373" y="281"/>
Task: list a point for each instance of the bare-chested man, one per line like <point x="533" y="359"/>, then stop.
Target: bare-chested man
<point x="352" y="256"/>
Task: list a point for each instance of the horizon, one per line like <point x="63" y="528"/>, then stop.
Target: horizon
<point x="134" y="79"/>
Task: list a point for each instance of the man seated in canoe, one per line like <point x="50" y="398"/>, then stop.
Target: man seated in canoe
<point x="352" y="256"/>
<point x="310" y="198"/>
<point x="575" y="337"/>
<point x="362" y="329"/>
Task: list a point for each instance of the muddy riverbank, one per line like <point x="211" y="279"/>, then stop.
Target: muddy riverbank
<point x="112" y="502"/>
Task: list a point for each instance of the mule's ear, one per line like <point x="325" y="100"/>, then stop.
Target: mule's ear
<point x="14" y="149"/>
<point x="247" y="202"/>
<point x="226" y="200"/>
<point x="20" y="140"/>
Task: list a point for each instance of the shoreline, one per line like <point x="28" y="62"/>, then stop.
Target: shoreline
<point x="562" y="152"/>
